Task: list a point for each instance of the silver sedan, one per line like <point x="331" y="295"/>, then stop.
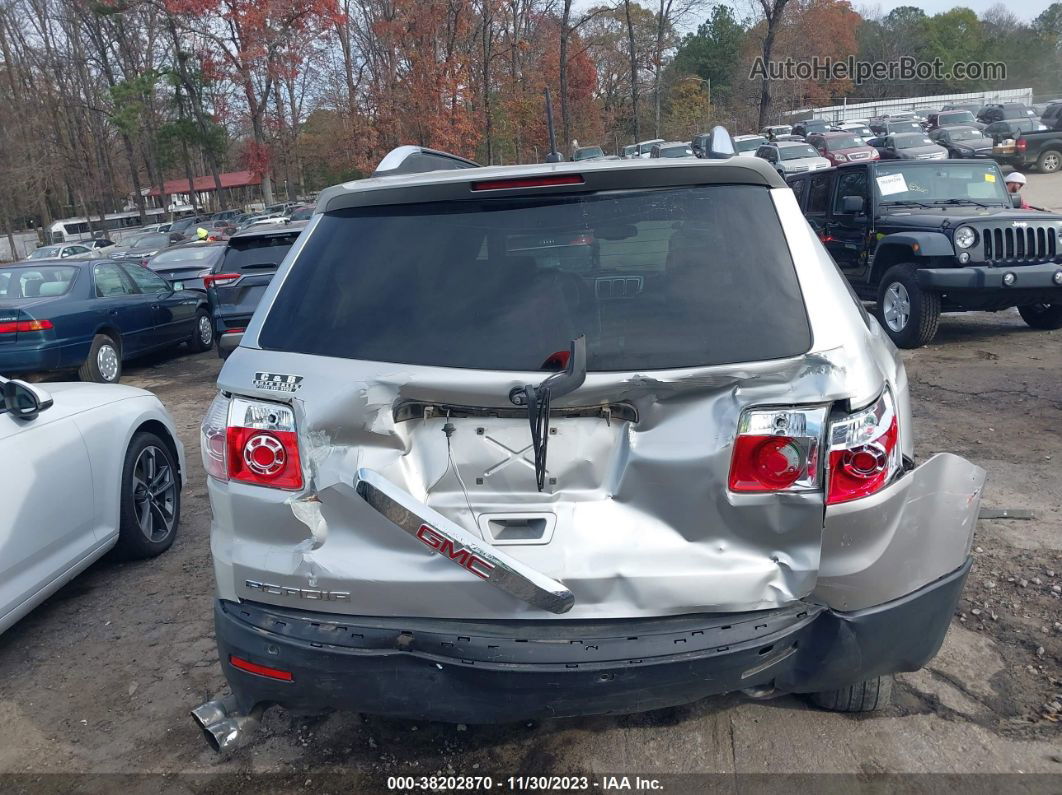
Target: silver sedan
<point x="86" y="468"/>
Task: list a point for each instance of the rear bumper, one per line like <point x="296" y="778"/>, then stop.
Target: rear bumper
<point x="30" y="359"/>
<point x="491" y="672"/>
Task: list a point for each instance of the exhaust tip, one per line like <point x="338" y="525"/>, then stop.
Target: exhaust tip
<point x="211" y="712"/>
<point x="222" y="726"/>
<point x="212" y="741"/>
<point x="224" y="735"/>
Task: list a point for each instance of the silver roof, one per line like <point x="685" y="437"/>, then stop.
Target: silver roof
<point x="455" y="184"/>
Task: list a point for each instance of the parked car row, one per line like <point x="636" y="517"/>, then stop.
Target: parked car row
<point x="960" y="131"/>
<point x="91" y="315"/>
<point x="112" y="449"/>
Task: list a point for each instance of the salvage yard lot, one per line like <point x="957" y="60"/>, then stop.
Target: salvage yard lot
<point x="101" y="677"/>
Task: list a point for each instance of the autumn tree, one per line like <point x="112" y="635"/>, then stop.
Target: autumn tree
<point x="772" y="19"/>
<point x="251" y="41"/>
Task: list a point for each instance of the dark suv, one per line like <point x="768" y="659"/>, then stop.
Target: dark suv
<point x="1007" y="110"/>
<point x="242" y="274"/>
<point x="810" y="126"/>
<point x="922" y="238"/>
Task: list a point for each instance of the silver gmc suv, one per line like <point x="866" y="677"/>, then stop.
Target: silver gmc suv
<point x="565" y="439"/>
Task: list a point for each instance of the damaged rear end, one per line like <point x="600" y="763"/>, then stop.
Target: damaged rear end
<point x="560" y="441"/>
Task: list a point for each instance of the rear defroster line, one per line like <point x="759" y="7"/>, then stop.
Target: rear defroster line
<point x="460" y="547"/>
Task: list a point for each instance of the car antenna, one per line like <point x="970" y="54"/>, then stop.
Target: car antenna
<point x="537" y="400"/>
<point x="554" y="156"/>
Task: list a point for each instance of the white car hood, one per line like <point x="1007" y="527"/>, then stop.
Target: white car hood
<point x="72" y="397"/>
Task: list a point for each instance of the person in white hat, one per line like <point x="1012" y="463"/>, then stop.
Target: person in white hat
<point x="1015" y="181"/>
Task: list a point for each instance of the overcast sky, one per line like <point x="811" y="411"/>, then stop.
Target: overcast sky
<point x="1023" y="9"/>
<point x="1026" y="10"/>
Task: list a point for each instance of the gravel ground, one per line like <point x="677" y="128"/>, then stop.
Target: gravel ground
<point x="100" y="678"/>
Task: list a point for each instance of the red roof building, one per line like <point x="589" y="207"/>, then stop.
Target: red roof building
<point x="230" y="179"/>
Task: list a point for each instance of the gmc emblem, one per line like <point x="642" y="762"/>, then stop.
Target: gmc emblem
<point x="462" y="557"/>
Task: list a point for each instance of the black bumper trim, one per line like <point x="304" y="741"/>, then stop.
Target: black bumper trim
<point x="990" y="277"/>
<point x="499" y="671"/>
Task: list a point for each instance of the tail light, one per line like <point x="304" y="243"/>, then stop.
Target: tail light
<point x="864" y="452"/>
<point x="1021" y="144"/>
<point x="778" y="450"/>
<point x="220" y="279"/>
<point x="251" y="441"/>
<point x="15" y="326"/>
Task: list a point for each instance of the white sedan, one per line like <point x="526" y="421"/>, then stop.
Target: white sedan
<point x="85" y="468"/>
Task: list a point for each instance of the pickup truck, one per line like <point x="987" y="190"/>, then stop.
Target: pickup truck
<point x="1042" y="150"/>
<point x="925" y="237"/>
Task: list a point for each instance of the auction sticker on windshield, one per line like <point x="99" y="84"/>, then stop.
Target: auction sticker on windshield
<point x="891" y="183"/>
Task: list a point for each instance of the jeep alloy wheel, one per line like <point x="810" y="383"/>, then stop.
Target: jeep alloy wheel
<point x="896" y="307"/>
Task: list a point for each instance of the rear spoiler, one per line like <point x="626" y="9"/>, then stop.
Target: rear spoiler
<point x="419" y="159"/>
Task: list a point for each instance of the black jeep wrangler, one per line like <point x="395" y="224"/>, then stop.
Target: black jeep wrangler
<point x="922" y="238"/>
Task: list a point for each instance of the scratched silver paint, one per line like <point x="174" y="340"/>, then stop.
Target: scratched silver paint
<point x="642" y="521"/>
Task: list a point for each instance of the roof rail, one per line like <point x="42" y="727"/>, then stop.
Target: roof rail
<point x="417" y="160"/>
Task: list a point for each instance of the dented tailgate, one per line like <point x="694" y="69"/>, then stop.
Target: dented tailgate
<point x="636" y="517"/>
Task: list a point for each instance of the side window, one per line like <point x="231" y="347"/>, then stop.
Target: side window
<point x="852" y="183"/>
<point x="147" y="281"/>
<point x="109" y="281"/>
<point x="799" y="188"/>
<point x="818" y="194"/>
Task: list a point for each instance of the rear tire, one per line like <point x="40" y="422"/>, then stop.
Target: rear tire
<point x="203" y="332"/>
<point x="1046" y="317"/>
<point x="909" y="314"/>
<point x="104" y="362"/>
<point x="867" y="696"/>
<point x="1049" y="162"/>
<point x="151" y="498"/>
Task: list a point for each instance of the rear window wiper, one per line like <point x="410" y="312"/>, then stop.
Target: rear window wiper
<point x="537" y="399"/>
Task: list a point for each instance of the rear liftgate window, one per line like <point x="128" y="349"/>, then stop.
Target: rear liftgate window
<point x="654" y="279"/>
<point x="245" y="255"/>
